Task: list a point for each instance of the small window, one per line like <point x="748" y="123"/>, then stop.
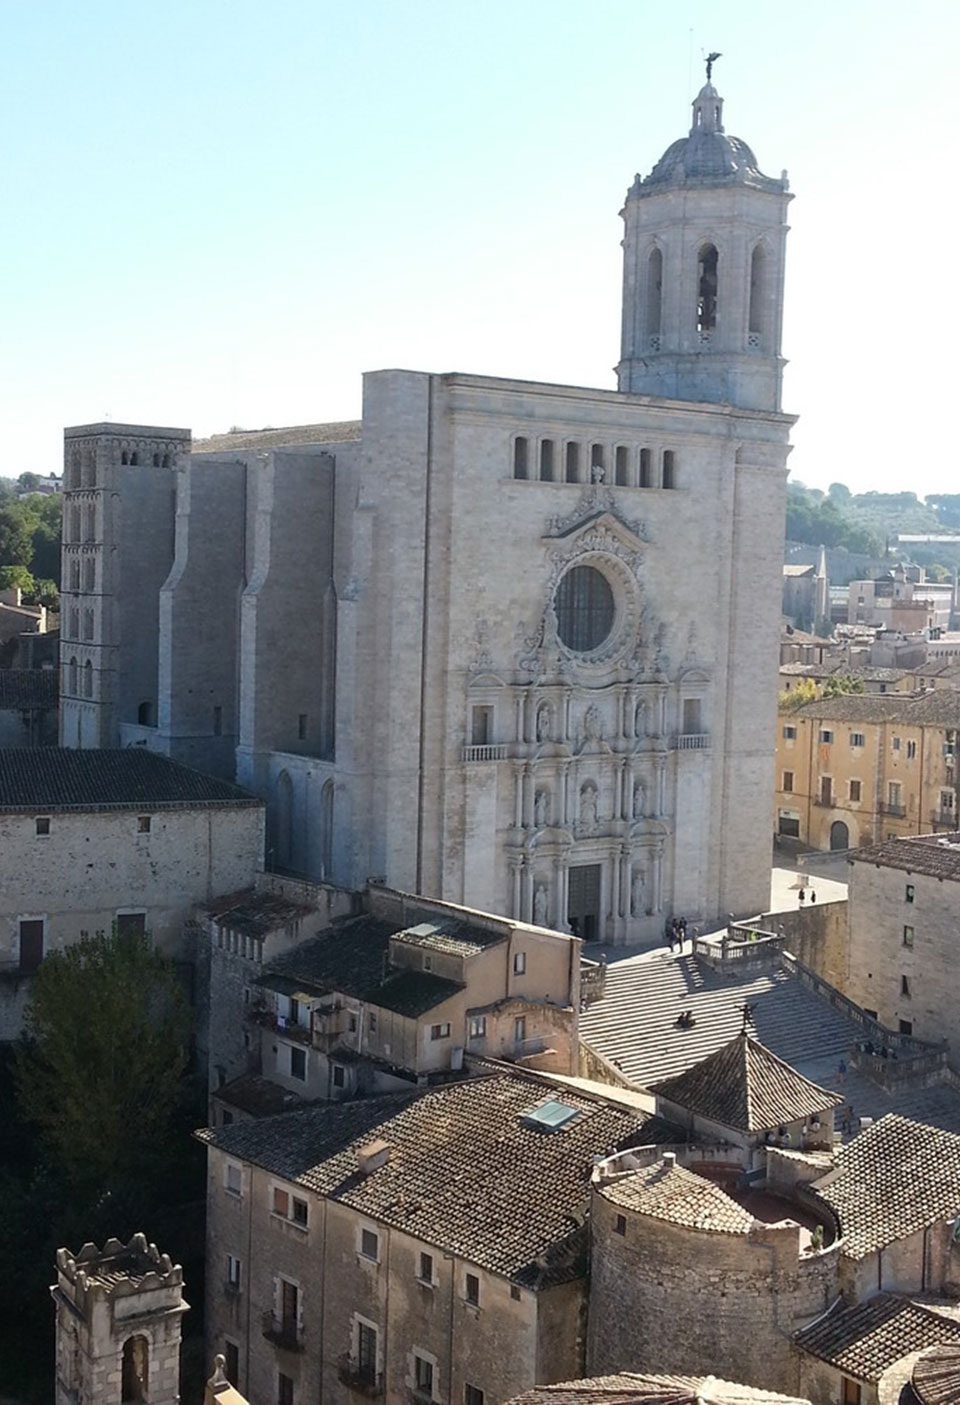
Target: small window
<point x="621" y="1225"/>
<point x="481" y="726"/>
<point x="857" y="739"/>
<point x="281" y="1202"/>
<point x="478" y="1027"/>
<point x="669" y="471"/>
<point x="226" y="1118"/>
<point x="43" y="825"/>
<point x="423" y="1375"/>
<point x="520" y="1029"/>
<point x="908" y="936"/>
<point x="339" y="1076"/>
<point x="645" y="478"/>
<point x="440" y="1031"/>
<point x="596" y="462"/>
<point x="905" y="986"/>
<point x="231" y="1362"/>
<point x="546" y="461"/>
<point x="573" y="463"/>
<point x="909" y="893"/>
<point x="218" y="721"/>
<point x="519" y="963"/>
<point x="143" y="824"/>
<point x="620" y="466"/>
<point x="131" y="924"/>
<point x="234" y="1272"/>
<point x="788" y="781"/>
<point x="233" y="1179"/>
<point x="826" y="737"/>
<point x="426" y="1268"/>
<point x="851" y="1392"/>
<point x="370" y="1245"/>
<point x="372" y="1022"/>
<point x="298" y="1064"/>
<point x="789" y="733"/>
<point x="515" y="1292"/>
<point x="302" y="726"/>
<point x="520" y="457"/>
<point x="855" y="791"/>
<point x="911" y="751"/>
<point x="300" y="1212"/>
<point x="471" y="1289"/>
<point x="284" y="1389"/>
<point x="896" y="743"/>
<point x="472" y="1394"/>
<point x="31" y="943"/>
<point x="906" y="1026"/>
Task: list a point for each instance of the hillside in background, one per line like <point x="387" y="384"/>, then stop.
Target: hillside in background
<point x="864" y="523"/>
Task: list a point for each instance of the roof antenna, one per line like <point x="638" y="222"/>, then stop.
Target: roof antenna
<point x="711" y="60"/>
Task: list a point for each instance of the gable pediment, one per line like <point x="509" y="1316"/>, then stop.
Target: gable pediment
<point x="627" y="534"/>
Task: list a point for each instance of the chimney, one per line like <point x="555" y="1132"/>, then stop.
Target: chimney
<point x="669" y="1160"/>
<point x="372" y="1156"/>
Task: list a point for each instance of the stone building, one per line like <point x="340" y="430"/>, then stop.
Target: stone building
<point x="428" y="1244"/>
<point x="625" y="1388"/>
<point x="862" y="768"/>
<point x="119" y="1313"/>
<point x="901" y="951"/>
<point x="535" y="677"/>
<point x="95" y="839"/>
<point x="28" y="707"/>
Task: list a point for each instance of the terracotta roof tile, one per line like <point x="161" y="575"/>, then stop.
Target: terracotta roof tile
<point x="249" y="440"/>
<point x="937" y="855"/>
<point x="625" y="1388"/>
<point x="671" y="1192"/>
<point x="863" y="1341"/>
<point x="936" y="1376"/>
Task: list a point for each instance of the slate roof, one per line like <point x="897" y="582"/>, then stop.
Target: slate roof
<point x="448" y="935"/>
<point x="258" y="1096"/>
<point x="625" y="1388"/>
<point x="746" y="1087"/>
<point x="350" y="958"/>
<point x="937" y="855"/>
<point x="254" y="914"/>
<point x="23" y="689"/>
<point x="671" y="1192"/>
<point x="287" y="437"/>
<point x="465" y="1173"/>
<point x="863" y="1341"/>
<point x="60" y="778"/>
<point x="936" y="1376"/>
<point x="895" y="1178"/>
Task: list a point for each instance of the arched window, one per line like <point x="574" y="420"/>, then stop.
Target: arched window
<point x="74" y="575"/>
<point x="88" y="624"/>
<point x="707" y="290"/>
<point x="645" y="479"/>
<point x="573" y="463"/>
<point x="326" y="829"/>
<point x="654" y="298"/>
<point x="89" y="468"/>
<point x="520" y="457"/>
<point x="88" y="679"/>
<point x="620" y="466"/>
<point x="72" y="679"/>
<point x="90" y="523"/>
<point x="124" y="457"/>
<point x="74" y="481"/>
<point x="166" y="461"/>
<point x="669" y="469"/>
<point x="74" y="623"/>
<point x="145" y="714"/>
<point x="156" y="460"/>
<point x="757" y="290"/>
<point x="134" y="459"/>
<point x="546" y="460"/>
<point x="74" y="533"/>
<point x="89" y="573"/>
<point x="135" y="1370"/>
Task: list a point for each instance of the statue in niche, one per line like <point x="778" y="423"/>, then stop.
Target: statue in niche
<point x="638" y="799"/>
<point x="639" y="728"/>
<point x="588" y="806"/>
<point x="636" y="893"/>
<point x="543" y="722"/>
<point x="540" y="807"/>
<point x="551" y="627"/>
<point x="597" y="473"/>
<point x="592" y="727"/>
<point x="540" y="905"/>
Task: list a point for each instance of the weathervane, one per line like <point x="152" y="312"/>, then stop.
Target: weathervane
<point x="711" y="60"/>
<point x="747" y="1010"/>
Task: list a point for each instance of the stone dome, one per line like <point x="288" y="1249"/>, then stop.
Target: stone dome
<point x="708" y="156"/>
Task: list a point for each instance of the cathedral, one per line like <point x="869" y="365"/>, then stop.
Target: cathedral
<point x="506" y="643"/>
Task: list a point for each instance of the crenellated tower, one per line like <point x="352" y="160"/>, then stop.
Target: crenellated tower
<point x="703" y="248"/>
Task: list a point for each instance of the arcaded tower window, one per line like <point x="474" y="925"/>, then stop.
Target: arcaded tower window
<point x="707" y="289"/>
<point x="654" y="296"/>
<point x="585" y="609"/>
<point x="756" y="290"/>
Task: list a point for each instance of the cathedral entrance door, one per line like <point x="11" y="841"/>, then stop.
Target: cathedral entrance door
<point x="583" y="905"/>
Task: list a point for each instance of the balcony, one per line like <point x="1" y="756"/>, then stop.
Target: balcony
<point x="488" y="751"/>
<point x="361" y="1378"/>
<point x="945" y="818"/>
<point x="283" y="1332"/>
<point x="282" y="1026"/>
<point x="826" y="800"/>
<point x="899" y="812"/>
<point x="692" y="741"/>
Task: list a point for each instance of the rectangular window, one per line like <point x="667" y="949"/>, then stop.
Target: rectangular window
<point x="301" y="726"/>
<point x="911" y="751"/>
<point x="370" y="1245"/>
<point x="621" y="1225"/>
<point x="515" y="1292"/>
<point x="471" y="1289"/>
<point x="231" y="1362"/>
<point x="366" y="1352"/>
<point x="857" y="739"/>
<point x="439" y="1031"/>
<point x="481" y="726"/>
<point x="906" y="1026"/>
<point x="372" y="1022"/>
<point x="233" y="1179"/>
<point x="423" y="1375"/>
<point x="826" y="790"/>
<point x="669" y="472"/>
<point x="519" y="457"/>
<point x="43" y="825"/>
<point x="298" y="1064"/>
<point x="519" y="963"/>
<point x="339" y="1076"/>
<point x="301" y="1212"/>
<point x="284" y="1389"/>
<point x="908" y="936"/>
<point x="218" y="721"/>
<point x="426" y="1268"/>
<point x="896" y="743"/>
<point x="520" y="1028"/>
<point x="825" y="737"/>
<point x="855" y="791"/>
<point x="851" y="1392"/>
<point x="289" y="1308"/>
<point x="281" y="1202"/>
<point x="546" y="461"/>
<point x="143" y="824"/>
<point x="478" y="1027"/>
<point x="789" y="733"/>
<point x="31" y="943"/>
<point x="226" y="1118"/>
<point x="131" y="924"/>
<point x="234" y="1273"/>
<point x="472" y="1394"/>
<point x="788" y="781"/>
<point x="620" y="466"/>
<point x="946" y="800"/>
<point x="908" y="893"/>
<point x="573" y="463"/>
<point x="893" y="795"/>
<point x="905" y="986"/>
<point x="645" y="475"/>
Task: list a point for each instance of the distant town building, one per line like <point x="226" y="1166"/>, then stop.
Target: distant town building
<point x="28" y="706"/>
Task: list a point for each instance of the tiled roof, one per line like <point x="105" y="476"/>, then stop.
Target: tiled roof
<point x="895" y="1178"/>
<point x="937" y="855"/>
<point x="297" y="434"/>
<point x="351" y="959"/>
<point x="936" y="1376"/>
<point x="448" y="935"/>
<point x="254" y="914"/>
<point x="671" y="1192"/>
<point x="22" y="689"/>
<point x="59" y="778"/>
<point x="937" y="708"/>
<point x="466" y="1173"/>
<point x="746" y="1087"/>
<point x="625" y="1388"/>
<point x="863" y="1341"/>
<point x="258" y="1096"/>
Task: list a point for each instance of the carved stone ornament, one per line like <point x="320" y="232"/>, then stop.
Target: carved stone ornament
<point x="482" y="660"/>
<point x="594" y="501"/>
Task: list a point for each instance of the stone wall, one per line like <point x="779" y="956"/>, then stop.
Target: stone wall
<point x="817" y="936"/>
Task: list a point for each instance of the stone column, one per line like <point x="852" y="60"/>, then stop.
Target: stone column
<point x="519" y="720"/>
<point x="516" y="866"/>
<point x="625" y="877"/>
<point x="618" y="792"/>
<point x="527" y="796"/>
<point x="526" y="892"/>
<point x="563" y="893"/>
<point x="518" y="806"/>
<point x="660" y="778"/>
<point x="657" y="903"/>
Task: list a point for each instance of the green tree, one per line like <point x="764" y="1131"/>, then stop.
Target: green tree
<point x="16" y="536"/>
<point x="12" y="577"/>
<point x="841" y="684"/>
<point x="840" y="493"/>
<point x="803" y="691"/>
<point x="100" y="1067"/>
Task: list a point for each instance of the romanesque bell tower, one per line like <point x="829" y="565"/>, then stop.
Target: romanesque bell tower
<point x="703" y="271"/>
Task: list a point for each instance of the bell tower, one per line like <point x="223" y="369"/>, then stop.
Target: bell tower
<point x="703" y="248"/>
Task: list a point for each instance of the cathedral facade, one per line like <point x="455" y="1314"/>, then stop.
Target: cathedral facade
<point x="500" y="642"/>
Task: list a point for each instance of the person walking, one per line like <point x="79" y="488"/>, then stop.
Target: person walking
<point x="803" y="896"/>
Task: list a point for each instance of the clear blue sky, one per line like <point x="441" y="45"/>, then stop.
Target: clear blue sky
<point x="221" y="213"/>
